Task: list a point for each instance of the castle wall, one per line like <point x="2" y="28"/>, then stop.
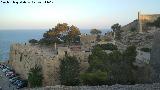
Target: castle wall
<point x="144" y="19"/>
<point x="25" y="57"/>
<point x="154" y="86"/>
<point x="149" y="18"/>
<point x="140" y="23"/>
<point x="88" y="41"/>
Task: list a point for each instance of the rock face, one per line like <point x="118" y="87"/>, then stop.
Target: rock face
<point x="155" y="58"/>
<point x="132" y="25"/>
<point x="137" y="39"/>
<point x="25" y="57"/>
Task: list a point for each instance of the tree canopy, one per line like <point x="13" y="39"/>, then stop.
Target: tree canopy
<point x="117" y="30"/>
<point x="33" y="41"/>
<point x="62" y="33"/>
<point x="115" y="67"/>
<point x="95" y="32"/>
<point x="116" y="27"/>
<point x="108" y="46"/>
<point x="69" y="71"/>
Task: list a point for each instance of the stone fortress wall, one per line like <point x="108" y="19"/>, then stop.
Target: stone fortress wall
<point x="140" y="23"/>
<point x="155" y="86"/>
<point x="144" y="19"/>
<point x="25" y="57"/>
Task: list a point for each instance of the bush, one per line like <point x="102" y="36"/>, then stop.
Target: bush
<point x="33" y="41"/>
<point x="145" y="49"/>
<point x="35" y="76"/>
<point x="108" y="46"/>
<point x="118" y="67"/>
<point x="133" y="29"/>
<point x="69" y="71"/>
<point x="94" y="78"/>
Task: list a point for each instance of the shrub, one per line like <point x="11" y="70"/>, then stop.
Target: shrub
<point x="118" y="67"/>
<point x="108" y="46"/>
<point x="145" y="49"/>
<point x="69" y="71"/>
<point x="133" y="29"/>
<point x="33" y="41"/>
<point x="94" y="78"/>
<point x="35" y="76"/>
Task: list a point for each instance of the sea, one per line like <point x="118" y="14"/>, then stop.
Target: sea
<point x="8" y="37"/>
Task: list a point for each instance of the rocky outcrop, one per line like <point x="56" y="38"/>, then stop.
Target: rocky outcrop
<point x="137" y="39"/>
<point x="130" y="26"/>
<point x="155" y="58"/>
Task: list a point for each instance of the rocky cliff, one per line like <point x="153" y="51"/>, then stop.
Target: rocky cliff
<point x="137" y="39"/>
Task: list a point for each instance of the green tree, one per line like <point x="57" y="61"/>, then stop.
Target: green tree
<point x="118" y="66"/>
<point x="96" y="59"/>
<point x="133" y="29"/>
<point x="62" y="33"/>
<point x="94" y="78"/>
<point x="108" y="46"/>
<point x="73" y="33"/>
<point x="157" y="22"/>
<point x="33" y="41"/>
<point x="95" y="32"/>
<point x="117" y="30"/>
<point x="130" y="54"/>
<point x="145" y="49"/>
<point x="129" y="57"/>
<point x="69" y="71"/>
<point x="35" y="76"/>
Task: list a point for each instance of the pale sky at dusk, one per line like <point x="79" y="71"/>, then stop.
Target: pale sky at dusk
<point x="85" y="14"/>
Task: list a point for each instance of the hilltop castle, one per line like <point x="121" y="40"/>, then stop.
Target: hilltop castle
<point x="140" y="24"/>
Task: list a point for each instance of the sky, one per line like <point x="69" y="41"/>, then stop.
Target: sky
<point x="85" y="14"/>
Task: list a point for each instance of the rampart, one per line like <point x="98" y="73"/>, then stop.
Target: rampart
<point x="25" y="57"/>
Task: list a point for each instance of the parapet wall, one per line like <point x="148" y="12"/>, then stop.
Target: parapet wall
<point x="148" y="18"/>
<point x="155" y="86"/>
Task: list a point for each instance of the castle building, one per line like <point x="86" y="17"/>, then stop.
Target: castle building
<point x="140" y="24"/>
<point x="143" y="19"/>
